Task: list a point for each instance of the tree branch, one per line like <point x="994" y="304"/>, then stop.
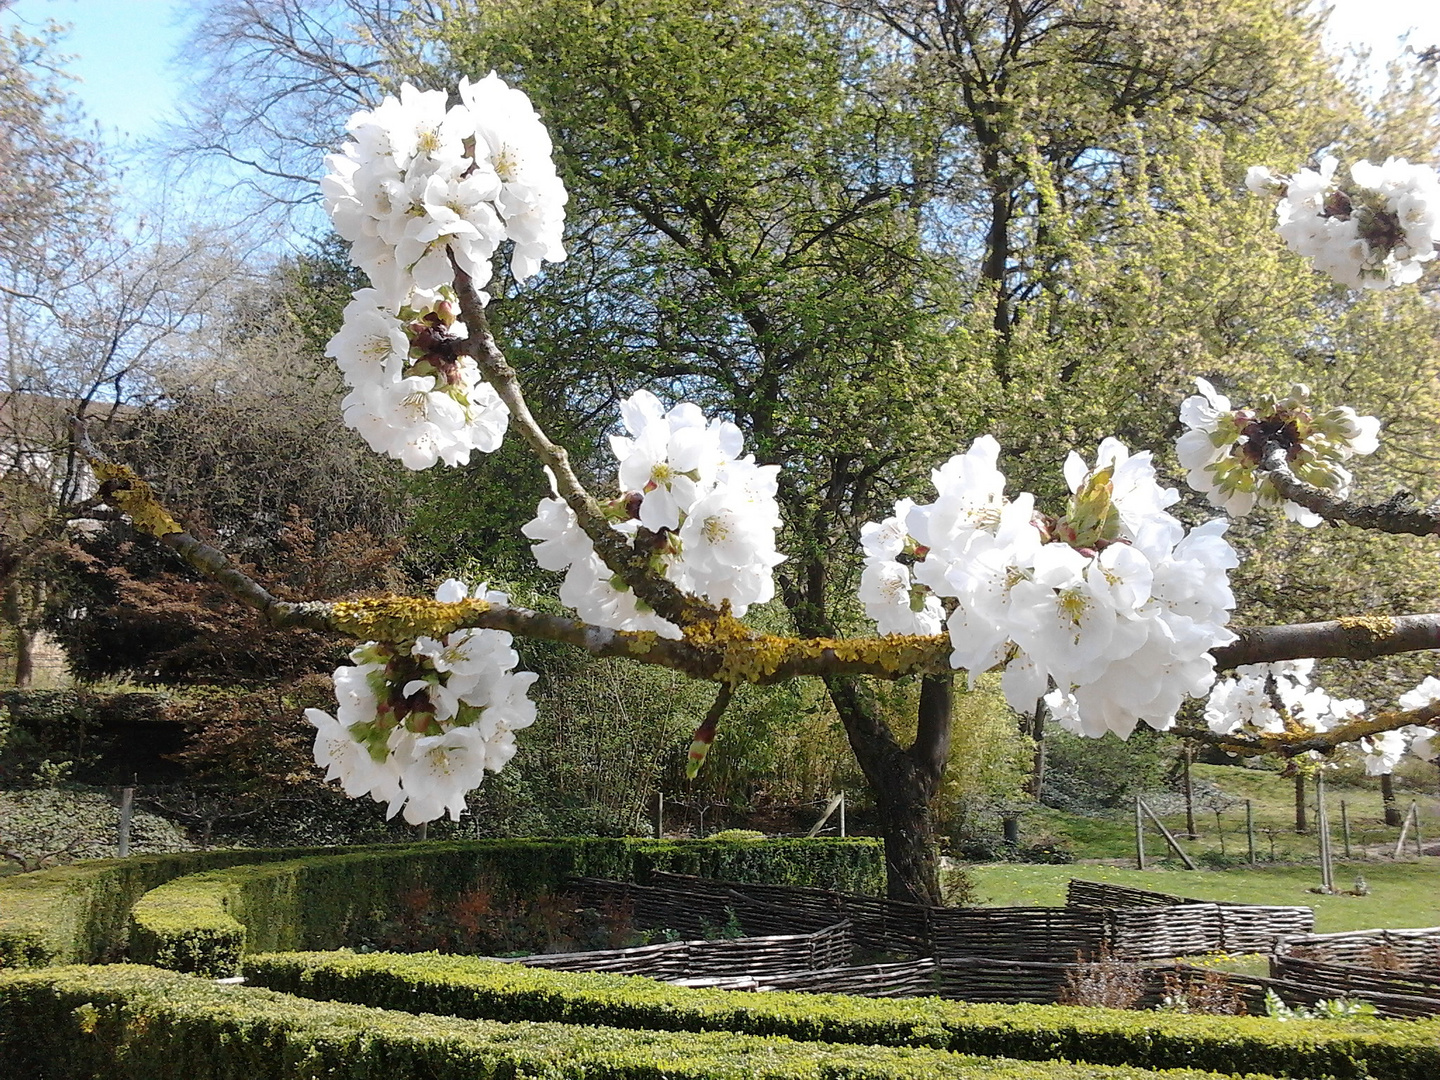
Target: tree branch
<point x="1298" y="741"/>
<point x="1394" y="515"/>
<point x="632" y="566"/>
<point x="1362" y="637"/>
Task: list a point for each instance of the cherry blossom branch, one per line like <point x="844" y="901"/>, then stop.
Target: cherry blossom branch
<point x="719" y="650"/>
<point x="1394" y="515"/>
<point x="1294" y="743"/>
<point x="633" y="567"/>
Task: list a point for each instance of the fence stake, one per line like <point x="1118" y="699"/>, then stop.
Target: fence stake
<point x="127" y="811"/>
<point x="659" y="819"/>
<point x="1169" y="837"/>
<point x="1411" y="815"/>
<point x="842" y="815"/>
<point x="1345" y="826"/>
<point x="1322" y="820"/>
<point x="835" y="801"/>
<point x="1250" y="829"/>
<point x="1415" y="813"/>
<point x="1139" y="835"/>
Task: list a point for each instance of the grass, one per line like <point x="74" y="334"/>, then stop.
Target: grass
<point x="1402" y="894"/>
<point x="1111" y="835"/>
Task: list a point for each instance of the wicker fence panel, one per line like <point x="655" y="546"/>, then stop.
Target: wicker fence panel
<point x="1247" y="928"/>
<point x="1410" y="950"/>
<point x="1098" y="894"/>
<point x="1154" y="933"/>
<point x="783" y="954"/>
<point x="1241" y="928"/>
<point x="981" y="979"/>
<point x="1395" y="993"/>
<point x="914" y="978"/>
<point x="1019" y="933"/>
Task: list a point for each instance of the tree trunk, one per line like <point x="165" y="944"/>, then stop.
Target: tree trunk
<point x="1387" y="796"/>
<point x="1301" y="825"/>
<point x="902" y="781"/>
<point x="13" y="613"/>
<point x="1036" y="785"/>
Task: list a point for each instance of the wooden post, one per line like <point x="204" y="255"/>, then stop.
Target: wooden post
<point x="1411" y="816"/>
<point x="658" y="821"/>
<point x="1169" y="837"/>
<point x="127" y="813"/>
<point x="835" y="802"/>
<point x="1139" y="835"/>
<point x="1190" y="833"/>
<point x="1250" y="829"/>
<point x="423" y="830"/>
<point x="1345" y="826"/>
<point x="842" y="814"/>
<point x="1322" y="821"/>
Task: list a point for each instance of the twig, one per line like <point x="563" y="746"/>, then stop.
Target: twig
<point x="1395" y="515"/>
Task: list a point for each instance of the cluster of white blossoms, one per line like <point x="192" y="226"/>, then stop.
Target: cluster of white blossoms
<point x="1272" y="699"/>
<point x="425" y="182"/>
<point x="1261" y="698"/>
<point x="425" y="187"/>
<point x="704" y="516"/>
<point x="1111" y="607"/>
<point x="414" y="394"/>
<point x="1374" y="232"/>
<point x="892" y="596"/>
<point x="1221" y="450"/>
<point x="419" y="724"/>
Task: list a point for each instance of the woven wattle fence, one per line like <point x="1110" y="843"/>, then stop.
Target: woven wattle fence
<point x="1409" y="950"/>
<point x="1153" y="925"/>
<point x="1140" y="930"/>
<point x="780" y="954"/>
<point x="1098" y="894"/>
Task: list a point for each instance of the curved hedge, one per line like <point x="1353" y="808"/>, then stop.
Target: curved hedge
<point x="486" y="989"/>
<point x="80" y="913"/>
<point x="205" y="922"/>
<point x="134" y="1023"/>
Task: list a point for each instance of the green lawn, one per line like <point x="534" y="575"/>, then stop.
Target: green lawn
<point x="1111" y="834"/>
<point x="1402" y="894"/>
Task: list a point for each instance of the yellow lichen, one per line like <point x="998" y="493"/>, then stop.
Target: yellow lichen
<point x="121" y="488"/>
<point x="402" y="618"/>
<point x="745" y="656"/>
<point x="1363" y="629"/>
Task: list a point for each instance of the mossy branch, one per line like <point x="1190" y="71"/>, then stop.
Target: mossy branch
<point x="716" y="647"/>
<point x="1301" y="741"/>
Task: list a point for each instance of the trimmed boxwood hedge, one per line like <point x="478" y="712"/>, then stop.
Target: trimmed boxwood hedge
<point x="136" y="1023"/>
<point x="487" y="989"/>
<point x="79" y="913"/>
<point x="205" y="922"/>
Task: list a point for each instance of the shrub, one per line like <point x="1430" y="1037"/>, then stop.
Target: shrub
<point x="205" y="922"/>
<point x="1107" y="981"/>
<point x="129" y="1023"/>
<point x="471" y="987"/>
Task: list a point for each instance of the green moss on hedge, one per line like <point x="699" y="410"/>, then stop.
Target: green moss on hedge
<point x="469" y="987"/>
<point x="134" y="1023"/>
<point x="205" y="922"/>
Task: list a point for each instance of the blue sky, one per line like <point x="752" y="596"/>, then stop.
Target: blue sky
<point x="127" y="51"/>
<point x="124" y="55"/>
